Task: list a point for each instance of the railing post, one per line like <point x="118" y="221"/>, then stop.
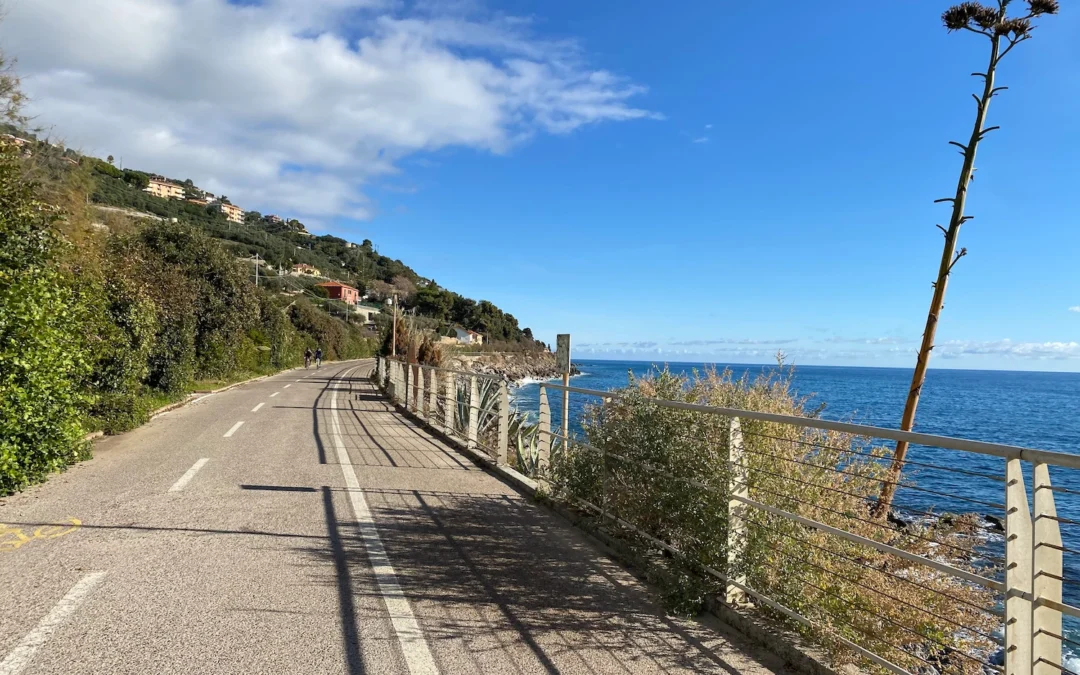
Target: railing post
<point x="501" y="453"/>
<point x="414" y="372"/>
<point x="544" y="429"/>
<point x="1018" y="655"/>
<point x="473" y="413"/>
<point x="738" y="486"/>
<point x="421" y="398"/>
<point x="1046" y="572"/>
<point x="433" y="395"/>
<point x="449" y="403"/>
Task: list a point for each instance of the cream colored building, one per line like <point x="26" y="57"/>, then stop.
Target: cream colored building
<point x="233" y="212"/>
<point x="165" y="189"/>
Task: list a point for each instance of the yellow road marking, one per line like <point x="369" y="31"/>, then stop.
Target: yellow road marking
<point x="12" y="538"/>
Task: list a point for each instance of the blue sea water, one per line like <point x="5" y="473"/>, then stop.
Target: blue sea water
<point x="1028" y="409"/>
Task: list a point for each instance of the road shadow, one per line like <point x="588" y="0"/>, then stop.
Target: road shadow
<point x="494" y="579"/>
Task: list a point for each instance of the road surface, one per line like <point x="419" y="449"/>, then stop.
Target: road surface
<point x="299" y="524"/>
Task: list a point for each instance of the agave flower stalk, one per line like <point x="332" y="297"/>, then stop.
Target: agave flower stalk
<point x="1003" y="33"/>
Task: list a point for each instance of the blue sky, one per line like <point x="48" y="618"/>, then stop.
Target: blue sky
<point x="697" y="181"/>
<point x="804" y="222"/>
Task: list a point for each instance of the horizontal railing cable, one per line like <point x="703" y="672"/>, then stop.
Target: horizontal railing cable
<point x="899" y="625"/>
<point x="907" y="462"/>
<point x="877" y="523"/>
<point x="980" y="608"/>
<point x="878" y="591"/>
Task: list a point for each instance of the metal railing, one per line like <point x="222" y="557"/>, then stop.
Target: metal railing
<point x="972" y="588"/>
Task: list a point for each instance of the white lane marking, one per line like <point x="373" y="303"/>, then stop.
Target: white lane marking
<point x="286" y="386"/>
<point x="256" y="408"/>
<point x="186" y="478"/>
<point x="413" y="645"/>
<point x="232" y="431"/>
<point x="274" y="394"/>
<point x="20" y="657"/>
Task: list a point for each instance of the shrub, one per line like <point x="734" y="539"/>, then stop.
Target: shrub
<point x="668" y="473"/>
<point x="41" y="358"/>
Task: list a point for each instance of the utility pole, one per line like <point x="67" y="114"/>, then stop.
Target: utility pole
<point x="393" y="339"/>
<point x="256" y="270"/>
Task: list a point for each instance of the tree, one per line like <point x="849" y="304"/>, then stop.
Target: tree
<point x="434" y="302"/>
<point x="109" y="159"/>
<point x="404" y="288"/>
<point x="997" y="27"/>
<point x="136" y="179"/>
<point x="380" y="290"/>
<point x="11" y="96"/>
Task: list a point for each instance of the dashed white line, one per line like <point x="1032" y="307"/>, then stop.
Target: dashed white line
<point x="256" y="408"/>
<point x="274" y="394"/>
<point x="20" y="657"/>
<point x="232" y="431"/>
<point x="286" y="386"/>
<point x="413" y="645"/>
<point x="186" y="478"/>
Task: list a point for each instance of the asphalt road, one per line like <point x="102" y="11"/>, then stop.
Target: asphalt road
<point x="300" y="525"/>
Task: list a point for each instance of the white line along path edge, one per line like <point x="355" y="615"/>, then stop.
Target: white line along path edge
<point x="413" y="645"/>
<point x="232" y="431"/>
<point x="186" y="478"/>
<point x="20" y="657"/>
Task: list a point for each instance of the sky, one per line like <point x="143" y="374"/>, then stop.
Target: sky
<point x="702" y="180"/>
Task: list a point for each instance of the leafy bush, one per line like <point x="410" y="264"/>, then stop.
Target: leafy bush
<point x="669" y="473"/>
<point x="41" y="352"/>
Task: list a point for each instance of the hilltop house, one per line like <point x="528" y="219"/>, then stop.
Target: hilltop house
<point x="336" y="290"/>
<point x="232" y="212"/>
<point x="271" y="218"/>
<point x="166" y="189"/>
<point x="468" y="337"/>
<point x="367" y="312"/>
<point x="304" y="269"/>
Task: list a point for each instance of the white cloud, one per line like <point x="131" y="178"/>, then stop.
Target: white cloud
<point x="291" y="105"/>
<point x="868" y="341"/>
<point x="1075" y="308"/>
<point x="701" y="139"/>
<point x="708" y="126"/>
<point x="1008" y="348"/>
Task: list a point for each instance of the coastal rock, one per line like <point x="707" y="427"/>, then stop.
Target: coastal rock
<point x="995" y="522"/>
<point x="517" y="367"/>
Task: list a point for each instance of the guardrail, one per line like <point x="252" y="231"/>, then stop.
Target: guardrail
<point x="907" y="594"/>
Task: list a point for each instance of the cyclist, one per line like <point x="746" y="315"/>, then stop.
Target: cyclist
<point x="318" y="357"/>
<point x="307" y="357"/>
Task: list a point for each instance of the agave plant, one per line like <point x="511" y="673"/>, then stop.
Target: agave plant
<point x="528" y="448"/>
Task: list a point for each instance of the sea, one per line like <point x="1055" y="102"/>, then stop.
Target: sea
<point x="1039" y="410"/>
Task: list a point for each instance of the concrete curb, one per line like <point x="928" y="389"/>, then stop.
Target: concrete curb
<point x="784" y="643"/>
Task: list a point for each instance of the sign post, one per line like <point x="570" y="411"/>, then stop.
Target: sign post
<point x="562" y="360"/>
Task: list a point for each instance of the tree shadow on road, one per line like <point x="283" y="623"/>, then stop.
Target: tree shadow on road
<point x="505" y="585"/>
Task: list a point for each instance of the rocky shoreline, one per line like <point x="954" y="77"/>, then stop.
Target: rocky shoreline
<point x="518" y="367"/>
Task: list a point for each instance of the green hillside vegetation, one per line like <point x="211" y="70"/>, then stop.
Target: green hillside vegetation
<point x="283" y="244"/>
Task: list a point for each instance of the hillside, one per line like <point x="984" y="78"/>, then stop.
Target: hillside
<point x="286" y="242"/>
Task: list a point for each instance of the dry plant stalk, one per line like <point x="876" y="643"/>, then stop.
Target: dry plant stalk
<point x="997" y="27"/>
